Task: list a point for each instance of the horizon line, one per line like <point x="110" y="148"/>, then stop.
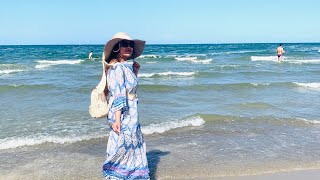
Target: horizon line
<point x="164" y="44"/>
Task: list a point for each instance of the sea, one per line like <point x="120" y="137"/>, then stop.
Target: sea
<point x="206" y="110"/>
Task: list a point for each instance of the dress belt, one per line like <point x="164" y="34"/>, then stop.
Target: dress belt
<point x="132" y="96"/>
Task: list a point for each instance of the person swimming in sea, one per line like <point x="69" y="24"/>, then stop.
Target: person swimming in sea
<point x="280" y="51"/>
<point x="90" y="55"/>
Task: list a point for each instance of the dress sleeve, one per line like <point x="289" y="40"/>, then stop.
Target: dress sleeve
<point x="118" y="88"/>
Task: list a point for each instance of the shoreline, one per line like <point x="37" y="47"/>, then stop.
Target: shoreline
<point x="167" y="160"/>
<point x="312" y="174"/>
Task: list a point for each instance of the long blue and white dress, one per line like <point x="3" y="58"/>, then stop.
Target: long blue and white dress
<point x="126" y="151"/>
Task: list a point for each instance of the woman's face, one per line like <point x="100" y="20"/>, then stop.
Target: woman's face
<point x="126" y="49"/>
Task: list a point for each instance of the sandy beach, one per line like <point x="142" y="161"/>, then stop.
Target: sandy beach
<point x="290" y="175"/>
<point x="83" y="160"/>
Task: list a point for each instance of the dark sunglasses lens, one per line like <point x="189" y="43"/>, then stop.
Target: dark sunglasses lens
<point x="127" y="44"/>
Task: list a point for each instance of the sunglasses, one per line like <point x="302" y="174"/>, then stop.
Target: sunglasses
<point x="127" y="44"/>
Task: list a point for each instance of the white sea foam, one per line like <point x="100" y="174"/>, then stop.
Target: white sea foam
<point x="47" y="63"/>
<point x="195" y="55"/>
<point x="15" y="142"/>
<point x="319" y="50"/>
<point x="15" y="85"/>
<point x="194" y="60"/>
<point x="309" y="85"/>
<point x="9" y="143"/>
<point x="151" y="62"/>
<point x="61" y="61"/>
<point x="9" y="71"/>
<point x="224" y="66"/>
<point x="171" y="56"/>
<point x="186" y="58"/>
<point x="286" y="59"/>
<point x="260" y="84"/>
<point x="149" y="56"/>
<point x="264" y="58"/>
<point x="305" y="61"/>
<point x="166" y="126"/>
<point x="203" y="61"/>
<point x="148" y="75"/>
<point x="309" y="121"/>
<point x="42" y="66"/>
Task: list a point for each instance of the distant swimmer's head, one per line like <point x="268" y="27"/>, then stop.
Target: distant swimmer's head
<point x="123" y="44"/>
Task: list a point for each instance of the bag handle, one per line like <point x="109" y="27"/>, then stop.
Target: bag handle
<point x="102" y="85"/>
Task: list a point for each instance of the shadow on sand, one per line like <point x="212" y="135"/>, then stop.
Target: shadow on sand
<point x="153" y="161"/>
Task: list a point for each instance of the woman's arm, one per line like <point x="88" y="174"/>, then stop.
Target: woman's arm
<point x="118" y="89"/>
<point x="136" y="68"/>
<point x="116" y="126"/>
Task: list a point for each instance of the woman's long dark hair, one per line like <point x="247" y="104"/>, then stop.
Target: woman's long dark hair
<point x="114" y="52"/>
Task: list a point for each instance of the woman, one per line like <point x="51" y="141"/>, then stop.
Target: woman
<point x="126" y="149"/>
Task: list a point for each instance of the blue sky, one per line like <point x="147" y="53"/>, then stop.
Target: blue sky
<point x="159" y="21"/>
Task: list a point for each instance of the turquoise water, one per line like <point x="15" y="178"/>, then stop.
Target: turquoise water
<point x="236" y="97"/>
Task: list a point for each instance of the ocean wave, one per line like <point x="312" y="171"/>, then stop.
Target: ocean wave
<point x="158" y="88"/>
<point x="150" y="75"/>
<point x="307" y="61"/>
<point x="241" y="85"/>
<point x="217" y="118"/>
<point x="151" y="62"/>
<point x="171" y="56"/>
<point x="149" y="56"/>
<point x="228" y="86"/>
<point x="243" y="51"/>
<point x="16" y="142"/>
<point x="194" y="60"/>
<point x="186" y="58"/>
<point x="46" y="63"/>
<point x="42" y="66"/>
<point x="9" y="71"/>
<point x="166" y="126"/>
<point x="286" y="59"/>
<point x="308" y="85"/>
<point x="226" y="67"/>
<point x="264" y="58"/>
<point x="10" y="87"/>
<point x="9" y="66"/>
<point x="10" y="143"/>
<point x="309" y="121"/>
<point x="12" y="68"/>
<point x="206" y="87"/>
<point x="236" y="52"/>
<point x="253" y="105"/>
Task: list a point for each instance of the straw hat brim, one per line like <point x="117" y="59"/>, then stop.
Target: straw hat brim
<point x="137" y="50"/>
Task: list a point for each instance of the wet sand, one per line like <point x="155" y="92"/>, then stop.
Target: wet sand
<point x="167" y="160"/>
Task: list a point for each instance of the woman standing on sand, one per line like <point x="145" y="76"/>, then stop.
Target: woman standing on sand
<point x="126" y="149"/>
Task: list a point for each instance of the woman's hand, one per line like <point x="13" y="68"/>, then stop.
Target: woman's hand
<point x="116" y="127"/>
<point x="136" y="67"/>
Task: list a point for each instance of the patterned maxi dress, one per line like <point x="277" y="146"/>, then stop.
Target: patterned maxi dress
<point x="126" y="151"/>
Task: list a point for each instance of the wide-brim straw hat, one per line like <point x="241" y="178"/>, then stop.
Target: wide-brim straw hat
<point x="137" y="50"/>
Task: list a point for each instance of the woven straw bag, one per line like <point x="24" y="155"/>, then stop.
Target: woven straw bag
<point x="99" y="106"/>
